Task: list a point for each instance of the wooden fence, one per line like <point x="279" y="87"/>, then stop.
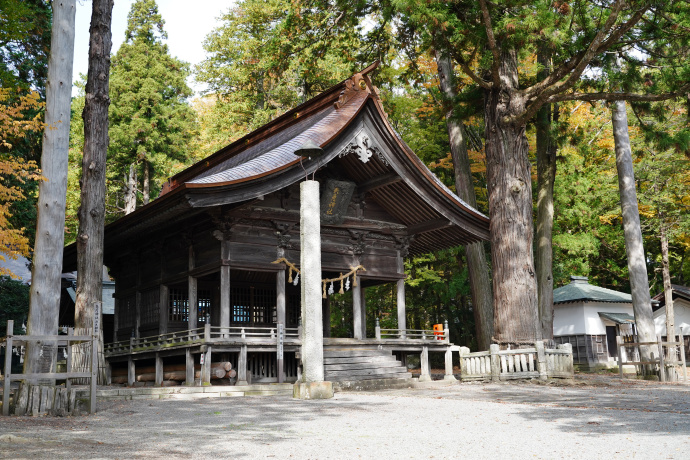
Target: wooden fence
<point x="203" y="335"/>
<point x="665" y="358"/>
<point x="524" y="363"/>
<point x="44" y="399"/>
<point x="422" y="335"/>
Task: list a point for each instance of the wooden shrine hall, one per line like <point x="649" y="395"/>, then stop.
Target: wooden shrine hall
<point x="209" y="270"/>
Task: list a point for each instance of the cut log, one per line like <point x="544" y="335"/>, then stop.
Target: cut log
<point x="225" y="365"/>
<point x="231" y="374"/>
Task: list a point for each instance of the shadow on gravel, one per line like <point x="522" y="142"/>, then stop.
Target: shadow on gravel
<point x="600" y="410"/>
<point x="158" y="428"/>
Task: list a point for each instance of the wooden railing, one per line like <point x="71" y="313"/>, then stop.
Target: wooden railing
<point x="206" y="334"/>
<point x="423" y="335"/>
<point x="12" y="340"/>
<point x="665" y="358"/>
<point x="524" y="363"/>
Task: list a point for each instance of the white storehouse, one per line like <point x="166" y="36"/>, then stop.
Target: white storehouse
<point x="590" y="317"/>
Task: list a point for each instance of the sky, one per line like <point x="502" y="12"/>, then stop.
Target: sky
<point x="186" y="22"/>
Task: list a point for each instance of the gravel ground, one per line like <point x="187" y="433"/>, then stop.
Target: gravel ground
<point x="597" y="417"/>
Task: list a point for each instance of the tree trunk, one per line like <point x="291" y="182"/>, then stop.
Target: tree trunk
<point x="147" y="184"/>
<point x="510" y="209"/>
<point x="92" y="209"/>
<point x="546" y="176"/>
<point x="668" y="289"/>
<point x="480" y="284"/>
<point x="131" y="190"/>
<point x="44" y="304"/>
<point x="637" y="267"/>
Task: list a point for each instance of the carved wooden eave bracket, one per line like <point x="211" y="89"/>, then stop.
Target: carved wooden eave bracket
<point x="363" y="146"/>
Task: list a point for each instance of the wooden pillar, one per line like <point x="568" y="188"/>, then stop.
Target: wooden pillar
<point x="137" y="314"/>
<point x="363" y="305"/>
<point x="242" y="366"/>
<point x="159" y="370"/>
<point x="163" y="308"/>
<point x="116" y="317"/>
<point x="425" y="375"/>
<point x="189" y="368"/>
<point x="326" y="316"/>
<point x="8" y="370"/>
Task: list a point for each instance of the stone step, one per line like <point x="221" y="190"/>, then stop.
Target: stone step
<point x="391" y="363"/>
<point x="353" y="352"/>
<point x="358" y="359"/>
<point x="393" y="376"/>
<point x="360" y="372"/>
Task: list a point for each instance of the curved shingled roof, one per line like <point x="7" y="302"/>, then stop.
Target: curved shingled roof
<point x="263" y="162"/>
<point x="579" y="290"/>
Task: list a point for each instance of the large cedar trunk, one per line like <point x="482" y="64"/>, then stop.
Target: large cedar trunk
<point x="47" y="263"/>
<point x="92" y="208"/>
<point x="546" y="176"/>
<point x="480" y="284"/>
<point x="510" y="210"/>
<point x="637" y="267"/>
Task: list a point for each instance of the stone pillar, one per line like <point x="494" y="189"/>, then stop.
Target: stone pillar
<point x="242" y="366"/>
<point x="424" y="376"/>
<point x="131" y="372"/>
<point x="159" y="370"/>
<point x="449" y="365"/>
<point x="402" y="321"/>
<point x="280" y="291"/>
<point x="189" y="368"/>
<point x="357" y="312"/>
<point x="225" y="284"/>
<point x="206" y="368"/>
<point x="312" y="385"/>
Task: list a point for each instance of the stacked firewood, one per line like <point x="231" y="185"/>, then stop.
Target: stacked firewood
<point x="173" y="374"/>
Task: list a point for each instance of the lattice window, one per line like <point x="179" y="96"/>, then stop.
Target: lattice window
<point x="178" y="305"/>
<point x="150" y="305"/>
<point x="293" y="310"/>
<point x="126" y="311"/>
<point x="203" y="305"/>
<point x="255" y="305"/>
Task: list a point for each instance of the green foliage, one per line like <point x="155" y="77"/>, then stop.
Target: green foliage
<point x="25" y="27"/>
<point x="260" y="64"/>
<point x="151" y="124"/>
<point x="14" y="303"/>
